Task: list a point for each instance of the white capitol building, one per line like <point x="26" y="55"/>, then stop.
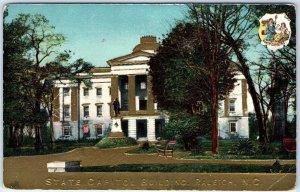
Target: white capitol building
<point x="128" y="79"/>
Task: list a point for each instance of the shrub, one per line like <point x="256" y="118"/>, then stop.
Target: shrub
<point x="108" y="142"/>
<point x="185" y="128"/>
<point x="276" y="167"/>
<point x="243" y="147"/>
<point x="253" y="130"/>
<point x="145" y="146"/>
<point x="198" y="149"/>
<point x="270" y="148"/>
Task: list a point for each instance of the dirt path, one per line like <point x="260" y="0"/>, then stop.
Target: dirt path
<point x="21" y="171"/>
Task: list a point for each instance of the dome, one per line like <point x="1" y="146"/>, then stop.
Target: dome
<point x="146" y="43"/>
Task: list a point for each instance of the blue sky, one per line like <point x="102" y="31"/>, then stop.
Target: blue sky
<point x="100" y="32"/>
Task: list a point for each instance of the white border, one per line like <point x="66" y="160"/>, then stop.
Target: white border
<point x="4" y="2"/>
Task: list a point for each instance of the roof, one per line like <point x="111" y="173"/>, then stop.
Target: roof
<point x="100" y="70"/>
<point x="123" y="60"/>
<point x="146" y="48"/>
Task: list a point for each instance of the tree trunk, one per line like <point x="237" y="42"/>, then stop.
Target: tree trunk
<point x="214" y="118"/>
<point x="37" y="128"/>
<point x="21" y="135"/>
<point x="15" y="136"/>
<point x="278" y="120"/>
<point x="251" y="87"/>
<point x="11" y="140"/>
<point x="38" y="140"/>
<point x="279" y="110"/>
<point x="52" y="139"/>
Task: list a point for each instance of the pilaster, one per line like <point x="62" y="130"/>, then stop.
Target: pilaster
<point x="131" y="95"/>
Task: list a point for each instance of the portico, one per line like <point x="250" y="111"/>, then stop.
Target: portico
<point x="131" y="84"/>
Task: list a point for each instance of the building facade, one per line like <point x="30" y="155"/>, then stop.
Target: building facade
<point x="79" y="111"/>
<point x="234" y="110"/>
<point x="86" y="112"/>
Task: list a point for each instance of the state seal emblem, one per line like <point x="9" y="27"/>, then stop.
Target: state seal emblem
<point x="275" y="30"/>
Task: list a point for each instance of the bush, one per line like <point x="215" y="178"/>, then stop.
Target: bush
<point x="185" y="128"/>
<point x="270" y="148"/>
<point x="145" y="146"/>
<point x="191" y="168"/>
<point x="108" y="142"/>
<point x="198" y="149"/>
<point x="243" y="147"/>
<point x="253" y="126"/>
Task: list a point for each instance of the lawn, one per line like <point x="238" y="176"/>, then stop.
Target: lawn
<point x="225" y="146"/>
<point x="58" y="147"/>
<point x="232" y="156"/>
<point x="194" y="168"/>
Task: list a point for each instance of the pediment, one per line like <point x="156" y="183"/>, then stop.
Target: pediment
<point x="139" y="58"/>
<point x="133" y="58"/>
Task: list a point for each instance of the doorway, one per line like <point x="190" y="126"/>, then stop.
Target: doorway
<point x="141" y="128"/>
<point x="124" y="126"/>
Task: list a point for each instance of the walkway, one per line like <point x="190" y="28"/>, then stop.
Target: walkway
<point x="24" y="169"/>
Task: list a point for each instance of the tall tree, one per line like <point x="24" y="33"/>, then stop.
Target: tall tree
<point x="238" y="24"/>
<point x="282" y="65"/>
<point x="45" y="64"/>
<point x="235" y="28"/>
<point x="15" y="111"/>
<point x="191" y="65"/>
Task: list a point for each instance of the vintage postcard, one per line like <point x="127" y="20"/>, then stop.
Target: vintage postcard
<point x="149" y="96"/>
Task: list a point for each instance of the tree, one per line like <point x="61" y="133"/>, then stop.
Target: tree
<point x="15" y="111"/>
<point x="185" y="128"/>
<point x="191" y="65"/>
<point x="235" y="27"/>
<point x="282" y="67"/>
<point x="44" y="65"/>
<point x="238" y="24"/>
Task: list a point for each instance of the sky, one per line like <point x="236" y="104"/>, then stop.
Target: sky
<point x="100" y="32"/>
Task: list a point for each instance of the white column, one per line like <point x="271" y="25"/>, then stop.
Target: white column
<point x="132" y="128"/>
<point x="137" y="103"/>
<point x="61" y="100"/>
<point x="151" y="129"/>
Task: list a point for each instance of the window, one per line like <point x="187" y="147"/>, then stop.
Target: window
<point x="85" y="91"/>
<point x="143" y="85"/>
<point x="232" y="127"/>
<point x="232" y="105"/>
<point x="99" y="91"/>
<point x="66" y="130"/>
<point x="98" y="128"/>
<point x="143" y="104"/>
<point x="99" y="110"/>
<point x="66" y="110"/>
<point x="66" y="91"/>
<point x="86" y="112"/>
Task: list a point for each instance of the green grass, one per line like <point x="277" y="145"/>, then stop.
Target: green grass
<point x="58" y="147"/>
<point x="224" y="145"/>
<point x="232" y="156"/>
<point x="116" y="142"/>
<point x="153" y="149"/>
<point x="197" y="168"/>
